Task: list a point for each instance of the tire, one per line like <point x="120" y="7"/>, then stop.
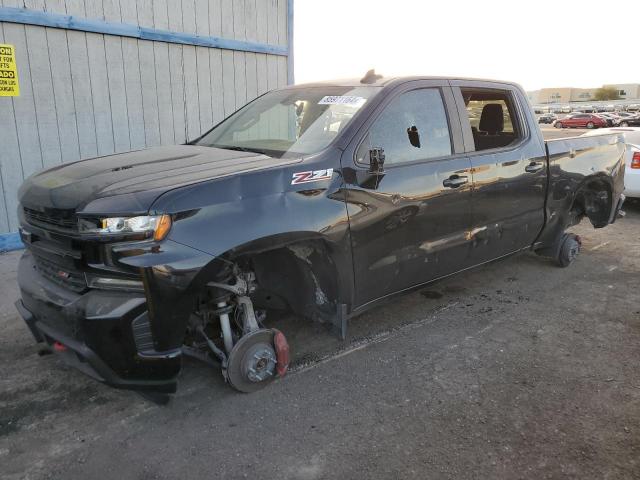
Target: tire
<point x="569" y="250"/>
<point x="590" y="125"/>
<point x="624" y="124"/>
<point x="559" y="125"/>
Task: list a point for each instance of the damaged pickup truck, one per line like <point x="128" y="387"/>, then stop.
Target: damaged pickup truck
<point x="320" y="199"/>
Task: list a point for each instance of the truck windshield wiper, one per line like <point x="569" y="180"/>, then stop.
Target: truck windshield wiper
<point x="239" y="149"/>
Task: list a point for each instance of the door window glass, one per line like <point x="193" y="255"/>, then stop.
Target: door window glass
<point x="492" y="116"/>
<point x="412" y="127"/>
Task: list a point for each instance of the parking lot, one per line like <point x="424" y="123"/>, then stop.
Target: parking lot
<point x="518" y="369"/>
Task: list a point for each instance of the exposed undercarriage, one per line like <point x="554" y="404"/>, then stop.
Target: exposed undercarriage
<point x="227" y="329"/>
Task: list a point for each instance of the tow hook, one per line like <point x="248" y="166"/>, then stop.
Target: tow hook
<point x="282" y="353"/>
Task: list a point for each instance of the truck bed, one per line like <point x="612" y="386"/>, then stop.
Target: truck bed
<point x="576" y="166"/>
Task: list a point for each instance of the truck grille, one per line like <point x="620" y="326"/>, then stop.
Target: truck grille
<point x="70" y="279"/>
<point x="62" y="219"/>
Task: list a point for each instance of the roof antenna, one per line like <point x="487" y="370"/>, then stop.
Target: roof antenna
<point x="370" y="77"/>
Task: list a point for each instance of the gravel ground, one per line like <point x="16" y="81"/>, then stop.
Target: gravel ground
<point x="518" y="369"/>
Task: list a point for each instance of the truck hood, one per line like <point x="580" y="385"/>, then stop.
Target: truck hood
<point x="136" y="178"/>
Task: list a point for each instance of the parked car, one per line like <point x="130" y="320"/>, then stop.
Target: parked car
<point x="586" y="109"/>
<point x="633" y="121"/>
<point x="610" y="119"/>
<point x="634" y="107"/>
<point x="632" y="157"/>
<point x="581" y="120"/>
<point x="566" y="109"/>
<point x="322" y="199"/>
<point x="547" y="118"/>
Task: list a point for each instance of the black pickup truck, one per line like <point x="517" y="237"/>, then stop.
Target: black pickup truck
<point x="320" y="199"/>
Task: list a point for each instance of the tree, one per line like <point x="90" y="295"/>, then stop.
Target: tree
<point x="606" y="93"/>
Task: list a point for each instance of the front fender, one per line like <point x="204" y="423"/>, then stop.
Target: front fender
<point x="259" y="224"/>
<point x="263" y="211"/>
<point x="229" y="217"/>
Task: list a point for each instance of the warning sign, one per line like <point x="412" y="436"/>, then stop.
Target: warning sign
<point x="9" y="86"/>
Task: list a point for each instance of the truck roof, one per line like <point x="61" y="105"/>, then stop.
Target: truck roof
<point x="383" y="81"/>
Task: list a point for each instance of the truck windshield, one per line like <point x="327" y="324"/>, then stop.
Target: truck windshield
<point x="290" y="122"/>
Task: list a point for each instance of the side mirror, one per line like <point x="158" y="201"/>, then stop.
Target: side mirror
<point x="376" y="160"/>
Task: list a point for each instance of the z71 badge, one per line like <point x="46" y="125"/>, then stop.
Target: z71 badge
<point x="311" y="176"/>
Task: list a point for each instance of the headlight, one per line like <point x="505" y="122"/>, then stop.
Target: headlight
<point x="158" y="225"/>
<point x="109" y="283"/>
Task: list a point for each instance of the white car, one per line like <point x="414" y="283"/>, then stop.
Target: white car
<point x="632" y="160"/>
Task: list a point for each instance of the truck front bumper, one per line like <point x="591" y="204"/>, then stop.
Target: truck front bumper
<point x="93" y="331"/>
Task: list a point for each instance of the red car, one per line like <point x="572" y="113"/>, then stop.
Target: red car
<point x="581" y="120"/>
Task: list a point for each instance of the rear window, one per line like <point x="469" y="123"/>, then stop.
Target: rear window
<point x="493" y="118"/>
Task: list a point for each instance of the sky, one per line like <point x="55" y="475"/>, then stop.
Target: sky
<point x="537" y="43"/>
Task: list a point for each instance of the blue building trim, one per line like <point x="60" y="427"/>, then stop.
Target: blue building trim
<point x="10" y="241"/>
<point x="70" y="22"/>
<point x="290" y="76"/>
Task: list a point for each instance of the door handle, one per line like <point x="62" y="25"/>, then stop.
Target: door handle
<point x="534" y="167"/>
<point x="454" y="181"/>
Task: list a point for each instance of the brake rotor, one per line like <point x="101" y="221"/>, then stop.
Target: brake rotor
<point x="252" y="361"/>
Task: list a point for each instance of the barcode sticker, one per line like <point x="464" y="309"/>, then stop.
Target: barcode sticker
<point x="349" y="100"/>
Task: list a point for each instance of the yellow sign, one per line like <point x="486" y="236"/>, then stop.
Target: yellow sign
<point x="9" y="86"/>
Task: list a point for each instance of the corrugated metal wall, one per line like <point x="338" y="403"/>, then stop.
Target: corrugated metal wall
<point x="87" y="94"/>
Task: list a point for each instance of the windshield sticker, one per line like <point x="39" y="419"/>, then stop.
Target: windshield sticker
<point x="349" y="100"/>
<point x="311" y="176"/>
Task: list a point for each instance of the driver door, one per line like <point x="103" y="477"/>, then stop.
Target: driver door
<point x="409" y="223"/>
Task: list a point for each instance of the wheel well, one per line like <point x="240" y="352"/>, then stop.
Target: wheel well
<point x="301" y="277"/>
<point x="592" y="200"/>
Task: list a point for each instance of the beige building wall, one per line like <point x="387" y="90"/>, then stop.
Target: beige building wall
<point x="582" y="94"/>
<point x="555" y="95"/>
<point x="627" y="91"/>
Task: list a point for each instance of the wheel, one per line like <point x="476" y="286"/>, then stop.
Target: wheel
<point x="590" y="125"/>
<point x="252" y="361"/>
<point x="569" y="249"/>
<point x="559" y="125"/>
<point x="624" y="124"/>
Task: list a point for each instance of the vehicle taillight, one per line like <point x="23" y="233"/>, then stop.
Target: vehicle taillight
<point x="635" y="160"/>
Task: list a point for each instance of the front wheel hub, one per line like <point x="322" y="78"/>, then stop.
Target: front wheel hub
<point x="252" y="361"/>
<point x="259" y="362"/>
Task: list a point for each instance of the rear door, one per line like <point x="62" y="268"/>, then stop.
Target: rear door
<point x="408" y="223"/>
<point x="509" y="168"/>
